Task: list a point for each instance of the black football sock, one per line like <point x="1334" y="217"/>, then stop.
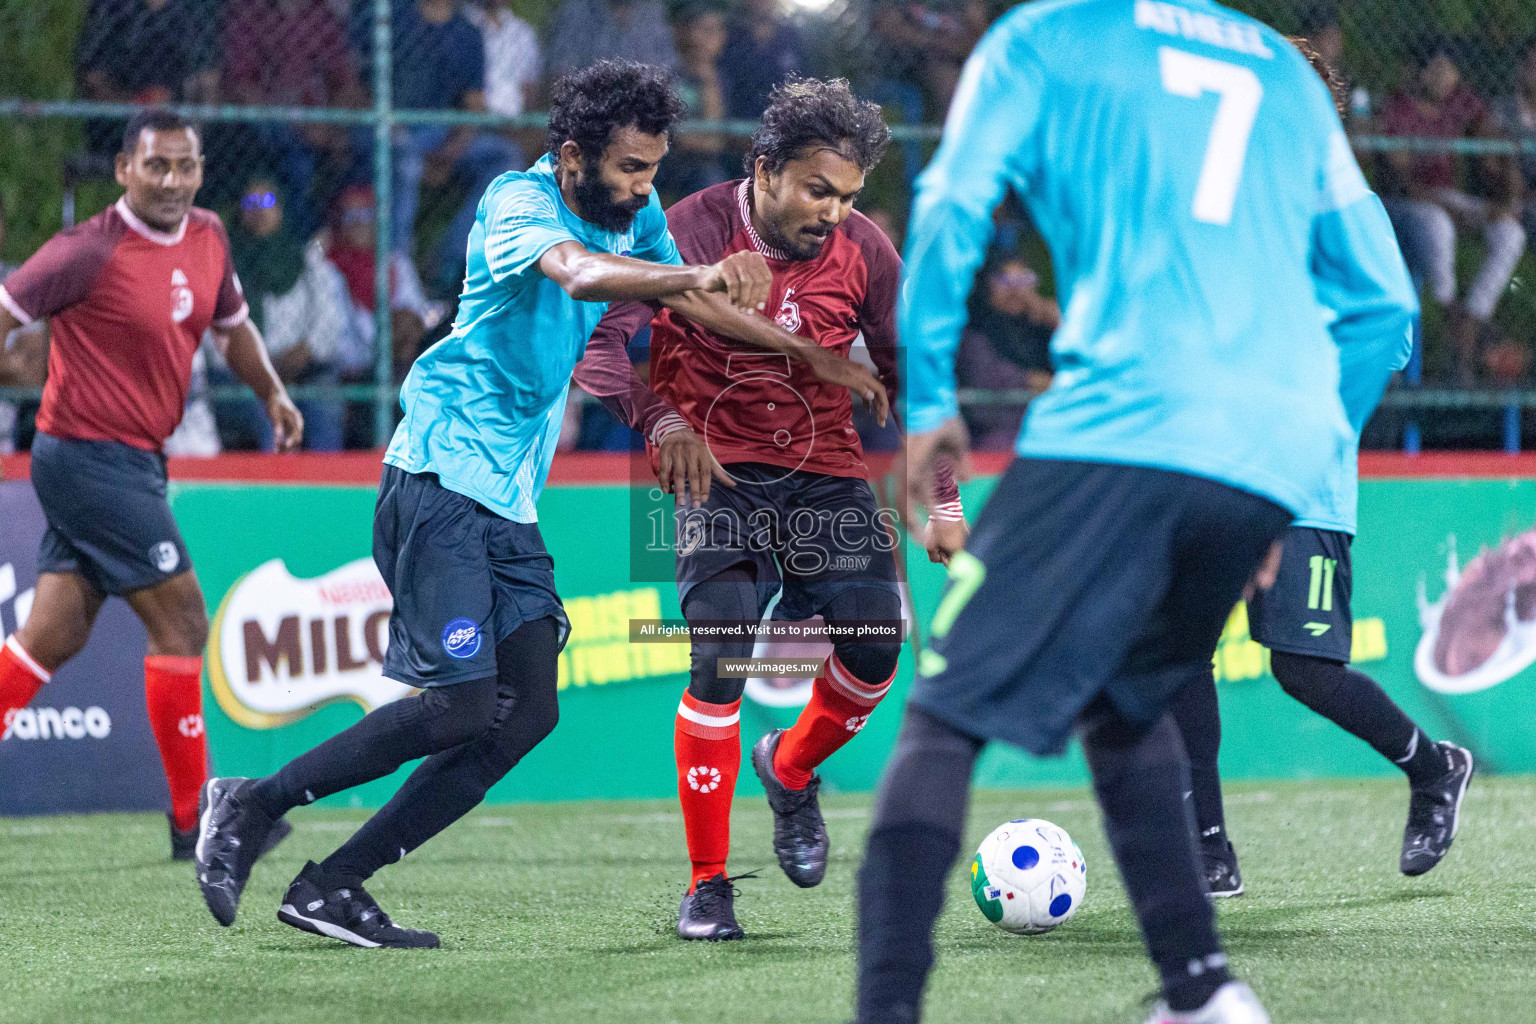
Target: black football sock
<point x="1140" y="776"/>
<point x="1197" y="714"/>
<point x="450" y="784"/>
<point x="438" y="718"/>
<point x="913" y="841"/>
<point x="1355" y="703"/>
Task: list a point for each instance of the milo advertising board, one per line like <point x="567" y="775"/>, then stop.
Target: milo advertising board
<point x="1444" y="604"/>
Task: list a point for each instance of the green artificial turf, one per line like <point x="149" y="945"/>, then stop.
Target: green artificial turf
<point x="564" y="913"/>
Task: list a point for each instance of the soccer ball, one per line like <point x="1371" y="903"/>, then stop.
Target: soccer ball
<point x="1028" y="876"/>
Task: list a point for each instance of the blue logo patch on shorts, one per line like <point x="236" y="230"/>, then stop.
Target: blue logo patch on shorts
<point x="461" y="638"/>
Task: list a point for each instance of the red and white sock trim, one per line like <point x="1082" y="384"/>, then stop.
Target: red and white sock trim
<point x="855" y="689"/>
<point x="708" y="721"/>
<point x="949" y="512"/>
<point x="946" y="496"/>
<point x="670" y="423"/>
<point x="27" y="662"/>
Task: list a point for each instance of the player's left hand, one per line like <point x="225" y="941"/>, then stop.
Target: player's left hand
<point x="287" y="421"/>
<point x="944" y="538"/>
<point x="686" y="466"/>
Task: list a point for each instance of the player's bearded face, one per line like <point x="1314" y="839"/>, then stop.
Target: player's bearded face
<point x="162" y="176"/>
<point x="611" y="190"/>
<point x="803" y="202"/>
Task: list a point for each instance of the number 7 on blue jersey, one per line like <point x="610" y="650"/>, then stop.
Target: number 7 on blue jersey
<point x="1226" y="150"/>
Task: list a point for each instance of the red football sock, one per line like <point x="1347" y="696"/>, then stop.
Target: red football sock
<point x="173" y="694"/>
<point x="20" y="679"/>
<point x="708" y="747"/>
<point x="840" y="705"/>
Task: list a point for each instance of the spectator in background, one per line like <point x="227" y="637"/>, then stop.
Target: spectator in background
<point x="1428" y="203"/>
<point x="439" y="64"/>
<point x="513" y="62"/>
<point x="929" y="42"/>
<point x="762" y="49"/>
<point x="1007" y="346"/>
<point x="351" y="249"/>
<point x="1515" y="115"/>
<point x="143" y="51"/>
<point x="698" y="161"/>
<point x="294" y="53"/>
<point x="297" y="299"/>
<point x="585" y="31"/>
<point x="514" y="67"/>
<point x="147" y="51"/>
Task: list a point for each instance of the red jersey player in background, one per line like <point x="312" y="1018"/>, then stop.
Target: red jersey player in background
<point x="796" y="516"/>
<point x="129" y="294"/>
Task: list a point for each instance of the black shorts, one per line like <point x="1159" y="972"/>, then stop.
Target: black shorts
<point x="108" y="517"/>
<point x="463" y="580"/>
<point x="1086" y="578"/>
<point x="807" y="536"/>
<point x="1307" y="610"/>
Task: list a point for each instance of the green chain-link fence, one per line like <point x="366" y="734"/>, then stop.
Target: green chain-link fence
<point x="372" y="126"/>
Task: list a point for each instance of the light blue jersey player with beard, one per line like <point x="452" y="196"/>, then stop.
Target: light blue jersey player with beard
<point x="483" y="407"/>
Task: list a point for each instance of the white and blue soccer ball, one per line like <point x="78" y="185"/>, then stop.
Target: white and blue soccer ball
<point x="1028" y="876"/>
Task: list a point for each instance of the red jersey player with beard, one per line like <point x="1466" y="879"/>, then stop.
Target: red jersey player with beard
<point x="129" y="294"/>
<point x="796" y="516"/>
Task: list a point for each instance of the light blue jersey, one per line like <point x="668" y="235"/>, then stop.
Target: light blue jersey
<point x="1215" y="244"/>
<point x="483" y="407"/>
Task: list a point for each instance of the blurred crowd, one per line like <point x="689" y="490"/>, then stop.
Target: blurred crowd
<point x="299" y="201"/>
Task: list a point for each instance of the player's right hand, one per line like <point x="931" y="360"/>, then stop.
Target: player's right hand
<point x="686" y="467"/>
<point x="856" y="377"/>
<point x="745" y="279"/>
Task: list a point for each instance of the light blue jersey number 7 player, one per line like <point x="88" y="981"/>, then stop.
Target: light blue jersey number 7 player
<point x="1213" y="239"/>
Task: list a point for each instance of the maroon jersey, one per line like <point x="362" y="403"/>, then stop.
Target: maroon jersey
<point x="128" y="306"/>
<point x="751" y="404"/>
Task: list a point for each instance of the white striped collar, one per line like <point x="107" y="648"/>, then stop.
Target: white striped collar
<point x="156" y="236"/>
<point x="745" y="206"/>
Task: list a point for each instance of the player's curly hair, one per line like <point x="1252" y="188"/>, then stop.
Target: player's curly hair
<point x="587" y="106"/>
<point x="806" y="112"/>
<point x="1330" y="75"/>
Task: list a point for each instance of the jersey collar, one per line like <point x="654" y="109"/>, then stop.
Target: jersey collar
<point x="158" y="237"/>
<point x="745" y="205"/>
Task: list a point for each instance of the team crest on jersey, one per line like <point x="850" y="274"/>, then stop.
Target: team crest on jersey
<point x="181" y="297"/>
<point x="788" y="316"/>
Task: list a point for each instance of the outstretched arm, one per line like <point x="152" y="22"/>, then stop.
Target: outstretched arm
<point x="588" y="276"/>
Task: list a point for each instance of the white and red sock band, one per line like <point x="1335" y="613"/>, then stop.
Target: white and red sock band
<point x="852" y="687"/>
<point x="708" y="721"/>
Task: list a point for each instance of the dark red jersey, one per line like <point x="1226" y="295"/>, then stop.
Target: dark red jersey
<point x="128" y="306"/>
<point x="750" y="404"/>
